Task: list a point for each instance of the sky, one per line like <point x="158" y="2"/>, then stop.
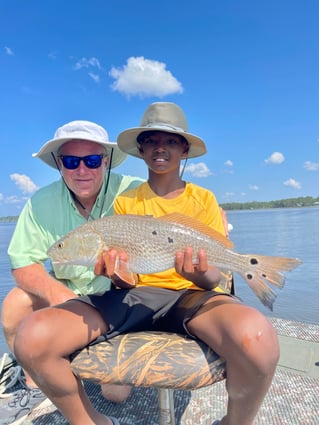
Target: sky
<point x="245" y="72"/>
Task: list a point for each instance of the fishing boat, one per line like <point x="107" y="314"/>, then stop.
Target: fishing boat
<point x="293" y="398"/>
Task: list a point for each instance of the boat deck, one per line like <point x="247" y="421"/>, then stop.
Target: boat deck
<point x="293" y="398"/>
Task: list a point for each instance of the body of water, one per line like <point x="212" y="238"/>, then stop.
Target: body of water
<point x="283" y="232"/>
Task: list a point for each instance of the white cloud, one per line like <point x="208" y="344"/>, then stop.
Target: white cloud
<point x="275" y="158"/>
<point x="52" y="55"/>
<point x="87" y="63"/>
<point x="145" y="78"/>
<point x="292" y="183"/>
<point x="94" y="77"/>
<point x="198" y="170"/>
<point x="253" y="187"/>
<point x="228" y="195"/>
<point x="1" y="197"/>
<point x="13" y="199"/>
<point x="311" y="166"/>
<point x="9" y="51"/>
<point x="229" y="167"/>
<point x="24" y="183"/>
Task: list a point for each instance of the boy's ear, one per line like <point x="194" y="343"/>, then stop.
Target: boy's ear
<point x="140" y="149"/>
<point x="185" y="153"/>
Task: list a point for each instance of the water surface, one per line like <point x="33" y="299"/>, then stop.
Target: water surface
<point x="283" y="232"/>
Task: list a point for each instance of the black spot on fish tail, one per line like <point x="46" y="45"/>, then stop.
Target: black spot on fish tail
<point x="154" y="232"/>
<point x="170" y="240"/>
<point x="263" y="270"/>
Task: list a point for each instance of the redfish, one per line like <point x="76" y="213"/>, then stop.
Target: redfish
<point x="151" y="243"/>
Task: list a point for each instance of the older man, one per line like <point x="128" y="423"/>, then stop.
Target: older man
<point x="84" y="156"/>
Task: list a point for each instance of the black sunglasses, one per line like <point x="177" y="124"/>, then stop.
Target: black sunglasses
<point x="72" y="162"/>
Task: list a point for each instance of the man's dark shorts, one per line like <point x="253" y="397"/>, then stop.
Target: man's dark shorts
<point x="147" y="308"/>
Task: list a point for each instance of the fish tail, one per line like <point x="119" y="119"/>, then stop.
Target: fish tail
<point x="270" y="268"/>
<point x="267" y="269"/>
<point x="265" y="294"/>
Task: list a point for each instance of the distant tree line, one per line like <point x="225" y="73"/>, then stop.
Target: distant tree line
<point x="307" y="201"/>
<point x="8" y="219"/>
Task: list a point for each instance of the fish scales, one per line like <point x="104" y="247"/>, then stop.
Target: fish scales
<point x="151" y="244"/>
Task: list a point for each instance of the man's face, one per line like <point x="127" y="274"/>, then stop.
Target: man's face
<point x="85" y="182"/>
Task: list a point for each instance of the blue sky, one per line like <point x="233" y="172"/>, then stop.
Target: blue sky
<point x="245" y="72"/>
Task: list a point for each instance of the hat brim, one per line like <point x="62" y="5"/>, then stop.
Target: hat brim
<point x="53" y="146"/>
<point x="127" y="140"/>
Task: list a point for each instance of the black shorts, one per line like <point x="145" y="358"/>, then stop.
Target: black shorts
<point x="147" y="308"/>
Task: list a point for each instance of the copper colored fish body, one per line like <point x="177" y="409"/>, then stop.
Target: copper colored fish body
<point x="151" y="244"/>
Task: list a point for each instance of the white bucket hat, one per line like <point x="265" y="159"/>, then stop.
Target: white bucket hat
<point x="161" y="116"/>
<point x="79" y="130"/>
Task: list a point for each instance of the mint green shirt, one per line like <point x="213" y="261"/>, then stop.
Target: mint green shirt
<point x="51" y="213"/>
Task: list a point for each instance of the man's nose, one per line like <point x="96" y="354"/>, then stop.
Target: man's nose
<point x="82" y="167"/>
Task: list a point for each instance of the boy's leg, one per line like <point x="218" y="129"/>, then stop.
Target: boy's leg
<point x="249" y="344"/>
<point x="43" y="344"/>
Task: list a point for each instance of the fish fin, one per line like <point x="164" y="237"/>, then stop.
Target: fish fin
<point x="265" y="294"/>
<point x="188" y="221"/>
<point x="267" y="269"/>
<point x="123" y="272"/>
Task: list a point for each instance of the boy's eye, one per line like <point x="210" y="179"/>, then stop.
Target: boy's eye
<point x="149" y="142"/>
<point x="172" y="142"/>
<point x="168" y="142"/>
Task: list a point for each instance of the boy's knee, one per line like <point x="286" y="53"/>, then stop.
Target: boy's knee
<point x="260" y="339"/>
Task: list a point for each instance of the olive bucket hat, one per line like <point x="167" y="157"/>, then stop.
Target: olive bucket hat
<point x="79" y="130"/>
<point x="161" y="116"/>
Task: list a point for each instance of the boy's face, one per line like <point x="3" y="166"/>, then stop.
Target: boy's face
<point x="162" y="151"/>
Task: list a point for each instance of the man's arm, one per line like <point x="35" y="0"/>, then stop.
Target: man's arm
<point x="35" y="280"/>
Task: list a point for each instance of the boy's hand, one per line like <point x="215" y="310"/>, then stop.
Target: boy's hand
<point x="198" y="272"/>
<point x="185" y="265"/>
<point x="112" y="264"/>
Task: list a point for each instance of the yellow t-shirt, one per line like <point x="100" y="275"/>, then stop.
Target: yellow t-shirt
<point x="195" y="201"/>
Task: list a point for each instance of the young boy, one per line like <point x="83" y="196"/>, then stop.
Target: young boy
<point x="184" y="300"/>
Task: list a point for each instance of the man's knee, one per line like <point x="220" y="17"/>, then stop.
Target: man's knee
<point x="32" y="340"/>
<point x="17" y="305"/>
